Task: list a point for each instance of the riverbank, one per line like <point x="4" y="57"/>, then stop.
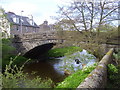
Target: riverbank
<point x="60" y="52"/>
<point x="76" y="78"/>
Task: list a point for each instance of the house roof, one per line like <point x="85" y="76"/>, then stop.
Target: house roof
<point x="17" y="19"/>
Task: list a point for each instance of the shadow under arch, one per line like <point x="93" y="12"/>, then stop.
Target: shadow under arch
<point x="39" y="51"/>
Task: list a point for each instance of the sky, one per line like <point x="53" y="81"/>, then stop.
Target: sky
<point x="41" y="10"/>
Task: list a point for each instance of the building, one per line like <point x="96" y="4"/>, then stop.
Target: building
<point x="21" y="24"/>
<point x="46" y="27"/>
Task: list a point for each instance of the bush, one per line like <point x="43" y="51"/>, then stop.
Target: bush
<point x="113" y="76"/>
<point x="19" y="60"/>
<point x="14" y="77"/>
<point x="7" y="49"/>
<point x="7" y="54"/>
<point x="74" y="80"/>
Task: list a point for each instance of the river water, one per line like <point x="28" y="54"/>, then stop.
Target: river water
<point x="54" y="68"/>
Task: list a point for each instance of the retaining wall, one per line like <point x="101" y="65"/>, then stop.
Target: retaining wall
<point x="98" y="77"/>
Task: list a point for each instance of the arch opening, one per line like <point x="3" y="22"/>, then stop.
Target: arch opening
<point x="39" y="51"/>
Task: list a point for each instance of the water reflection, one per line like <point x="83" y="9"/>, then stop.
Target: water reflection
<point x="77" y="61"/>
<point x="54" y="69"/>
<point x="45" y="70"/>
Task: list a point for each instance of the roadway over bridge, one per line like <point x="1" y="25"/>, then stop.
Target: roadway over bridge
<point x="28" y="41"/>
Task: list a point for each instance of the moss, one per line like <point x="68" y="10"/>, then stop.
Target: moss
<point x="109" y="52"/>
<point x="100" y="66"/>
<point x="90" y="75"/>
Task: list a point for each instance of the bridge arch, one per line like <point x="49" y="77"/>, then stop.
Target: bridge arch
<point x="27" y="43"/>
<point x="38" y="52"/>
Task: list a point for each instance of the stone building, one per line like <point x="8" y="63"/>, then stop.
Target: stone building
<point x="46" y="27"/>
<point x="21" y="24"/>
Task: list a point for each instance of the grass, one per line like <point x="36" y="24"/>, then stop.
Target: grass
<point x="59" y="52"/>
<point x="74" y="80"/>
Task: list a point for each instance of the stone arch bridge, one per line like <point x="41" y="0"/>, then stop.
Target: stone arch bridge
<point x="28" y="41"/>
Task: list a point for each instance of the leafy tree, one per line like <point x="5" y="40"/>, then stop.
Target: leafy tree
<point x="4" y="24"/>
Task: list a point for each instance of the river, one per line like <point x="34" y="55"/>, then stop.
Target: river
<point x="54" y="68"/>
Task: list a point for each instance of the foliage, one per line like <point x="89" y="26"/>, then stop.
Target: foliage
<point x="89" y="41"/>
<point x="76" y="78"/>
<point x="107" y="28"/>
<point x="14" y="77"/>
<point x="58" y="52"/>
<point x="19" y="60"/>
<point x="112" y="69"/>
<point x="4" y="24"/>
<point x="117" y="56"/>
<point x="7" y="49"/>
<point x="113" y="76"/>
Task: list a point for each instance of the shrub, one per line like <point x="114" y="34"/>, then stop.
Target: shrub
<point x="6" y="47"/>
<point x="7" y="50"/>
<point x="113" y="76"/>
<point x="14" y="77"/>
<point x="19" y="60"/>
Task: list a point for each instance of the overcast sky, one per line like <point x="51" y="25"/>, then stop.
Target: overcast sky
<point x="40" y="9"/>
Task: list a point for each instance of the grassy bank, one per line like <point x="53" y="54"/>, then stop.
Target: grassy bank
<point x="59" y="52"/>
<point x="75" y="79"/>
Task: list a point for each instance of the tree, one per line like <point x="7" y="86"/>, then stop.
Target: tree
<point x="89" y="15"/>
<point x="4" y="24"/>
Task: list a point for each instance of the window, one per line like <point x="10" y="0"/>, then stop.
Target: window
<point x="14" y="19"/>
<point x="17" y="20"/>
<point x="17" y="27"/>
<point x="26" y="29"/>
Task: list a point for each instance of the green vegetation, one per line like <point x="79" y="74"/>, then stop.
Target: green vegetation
<point x="7" y="49"/>
<point x="114" y="72"/>
<point x="89" y="40"/>
<point x="117" y="56"/>
<point x="19" y="60"/>
<point x="14" y="77"/>
<point x="7" y="54"/>
<point x="58" y="52"/>
<point x="113" y="76"/>
<point x="75" y="79"/>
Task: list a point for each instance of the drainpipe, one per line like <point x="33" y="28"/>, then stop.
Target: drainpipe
<point x="21" y="22"/>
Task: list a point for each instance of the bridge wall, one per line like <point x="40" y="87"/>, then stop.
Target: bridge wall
<point x="98" y="77"/>
<point x="25" y="42"/>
